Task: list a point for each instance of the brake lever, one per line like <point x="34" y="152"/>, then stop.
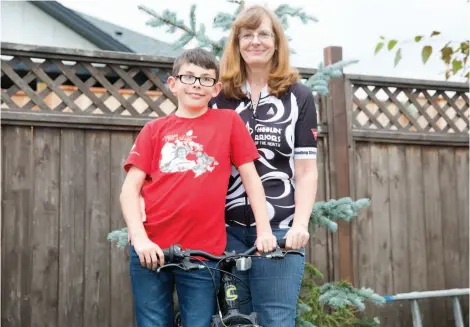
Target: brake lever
<point x="185" y="265"/>
<point x="294" y="252"/>
<point x="177" y="265"/>
<point x="191" y="266"/>
<point x="278" y="254"/>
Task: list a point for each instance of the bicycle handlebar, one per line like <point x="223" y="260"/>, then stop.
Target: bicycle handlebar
<point x="175" y="254"/>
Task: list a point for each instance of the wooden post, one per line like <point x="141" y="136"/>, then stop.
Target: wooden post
<point x="339" y="141"/>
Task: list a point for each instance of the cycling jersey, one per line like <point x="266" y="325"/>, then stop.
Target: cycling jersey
<point x="284" y="129"/>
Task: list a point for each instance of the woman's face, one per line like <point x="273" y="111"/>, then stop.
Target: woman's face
<point x="257" y="46"/>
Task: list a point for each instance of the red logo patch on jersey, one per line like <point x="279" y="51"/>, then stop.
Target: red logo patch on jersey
<point x="315" y="133"/>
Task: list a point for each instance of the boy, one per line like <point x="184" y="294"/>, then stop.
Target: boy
<point x="181" y="164"/>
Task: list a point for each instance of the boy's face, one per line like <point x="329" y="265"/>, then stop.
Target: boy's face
<point x="190" y="93"/>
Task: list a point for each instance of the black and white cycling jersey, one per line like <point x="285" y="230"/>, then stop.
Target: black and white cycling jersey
<point x="284" y="130"/>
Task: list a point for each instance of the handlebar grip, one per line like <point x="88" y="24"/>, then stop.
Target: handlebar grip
<point x="171" y="254"/>
<point x="166" y="253"/>
<point x="282" y="243"/>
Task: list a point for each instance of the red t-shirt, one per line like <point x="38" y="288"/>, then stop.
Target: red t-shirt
<point x="188" y="163"/>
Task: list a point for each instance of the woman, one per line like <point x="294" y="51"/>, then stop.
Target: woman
<point x="279" y="111"/>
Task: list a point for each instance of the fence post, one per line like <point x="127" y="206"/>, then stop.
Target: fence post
<point x="339" y="142"/>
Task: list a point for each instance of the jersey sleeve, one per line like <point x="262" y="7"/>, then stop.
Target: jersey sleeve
<point x="305" y="143"/>
<point x="242" y="146"/>
<point x="141" y="153"/>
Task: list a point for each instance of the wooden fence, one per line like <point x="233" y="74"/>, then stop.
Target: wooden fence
<point x="69" y="119"/>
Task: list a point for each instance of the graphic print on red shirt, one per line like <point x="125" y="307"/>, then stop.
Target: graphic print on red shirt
<point x="182" y="153"/>
<point x="189" y="163"/>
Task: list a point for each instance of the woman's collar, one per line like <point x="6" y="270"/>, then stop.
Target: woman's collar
<point x="246" y="88"/>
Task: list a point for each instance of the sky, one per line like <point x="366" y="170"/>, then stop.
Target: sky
<point x="354" y="25"/>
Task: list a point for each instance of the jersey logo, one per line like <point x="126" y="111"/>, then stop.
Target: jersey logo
<point x="250" y="130"/>
<point x="270" y="111"/>
<point x="315" y="133"/>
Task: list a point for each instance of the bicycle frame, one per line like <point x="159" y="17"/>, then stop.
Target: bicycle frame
<point x="229" y="302"/>
<point x="227" y="295"/>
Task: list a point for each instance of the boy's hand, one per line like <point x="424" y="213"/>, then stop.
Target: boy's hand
<point x="266" y="242"/>
<point x="150" y="254"/>
<point x="297" y="237"/>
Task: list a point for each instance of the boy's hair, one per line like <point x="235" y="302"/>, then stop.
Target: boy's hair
<point x="198" y="57"/>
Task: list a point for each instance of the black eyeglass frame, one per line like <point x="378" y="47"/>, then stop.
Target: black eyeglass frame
<point x="196" y="79"/>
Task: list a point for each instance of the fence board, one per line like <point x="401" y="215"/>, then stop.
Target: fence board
<point x="17" y="209"/>
<point x="462" y="173"/>
<point x="363" y="226"/>
<point x="381" y="246"/>
<point x="318" y="245"/>
<point x="417" y="236"/>
<point x="45" y="229"/>
<point x="450" y="221"/>
<point x="72" y="228"/>
<point x="399" y="231"/>
<point x="434" y="243"/>
<point x="121" y="293"/>
<point x="97" y="248"/>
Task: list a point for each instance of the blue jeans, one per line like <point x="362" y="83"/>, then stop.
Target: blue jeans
<point x="274" y="285"/>
<point x="153" y="295"/>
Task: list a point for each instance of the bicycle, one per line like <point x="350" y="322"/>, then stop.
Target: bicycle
<point x="227" y="295"/>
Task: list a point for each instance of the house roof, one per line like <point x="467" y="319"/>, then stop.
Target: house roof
<point x="137" y="42"/>
<point x="105" y="35"/>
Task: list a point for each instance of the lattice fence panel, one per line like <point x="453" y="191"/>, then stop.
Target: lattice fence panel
<point x="424" y="110"/>
<point x="84" y="87"/>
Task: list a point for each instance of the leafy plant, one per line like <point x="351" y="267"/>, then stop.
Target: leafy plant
<point x="454" y="54"/>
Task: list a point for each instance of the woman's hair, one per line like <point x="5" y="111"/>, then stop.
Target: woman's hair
<point x="232" y="66"/>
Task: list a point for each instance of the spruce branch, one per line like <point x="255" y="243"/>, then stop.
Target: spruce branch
<point x="342" y="294"/>
<point x="169" y="18"/>
<point x="335" y="304"/>
<point x="284" y="11"/>
<point x="192" y="17"/>
<point x="325" y="213"/>
<point x="120" y="237"/>
<point x="319" y="81"/>
<point x="223" y="21"/>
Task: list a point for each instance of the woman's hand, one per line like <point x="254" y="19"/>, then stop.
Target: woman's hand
<point x="266" y="242"/>
<point x="297" y="237"/>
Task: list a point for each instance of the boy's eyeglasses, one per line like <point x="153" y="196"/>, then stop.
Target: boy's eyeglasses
<point x="190" y="80"/>
<point x="263" y="36"/>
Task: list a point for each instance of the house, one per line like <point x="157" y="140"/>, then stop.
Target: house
<point x="49" y="23"/>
